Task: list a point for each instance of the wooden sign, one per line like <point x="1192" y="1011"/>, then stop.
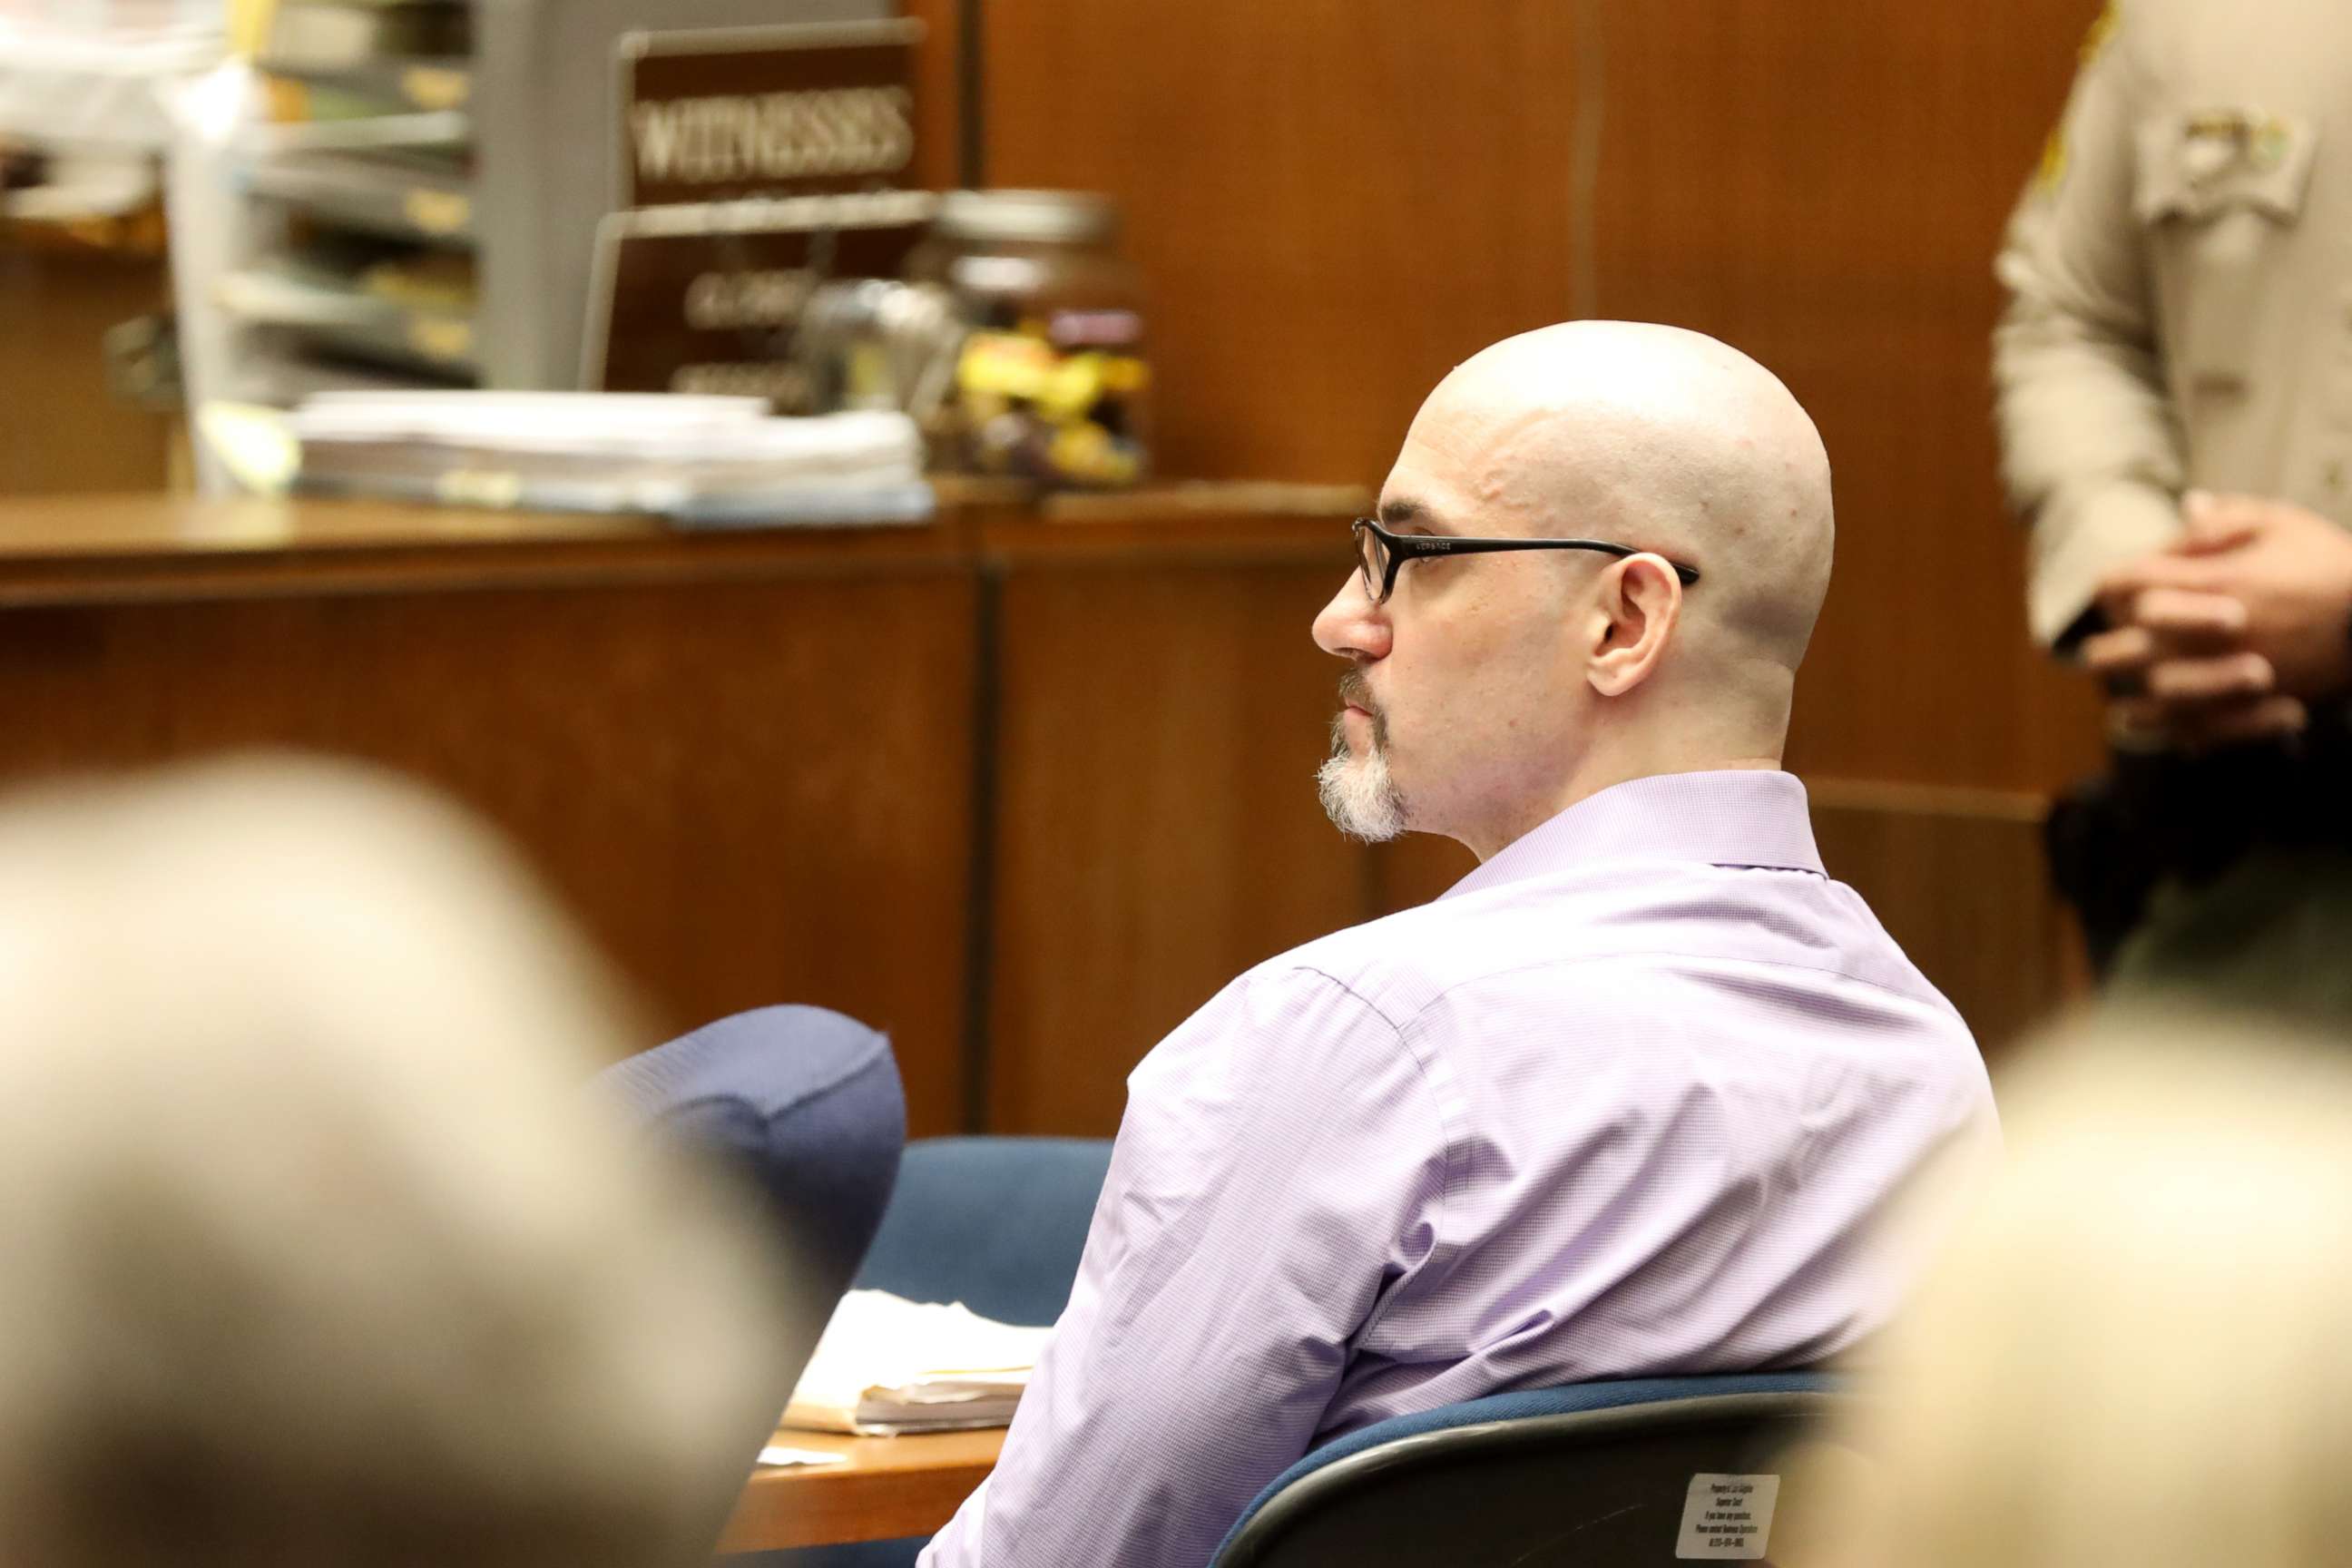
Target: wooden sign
<point x="709" y="298"/>
<point x="715" y="114"/>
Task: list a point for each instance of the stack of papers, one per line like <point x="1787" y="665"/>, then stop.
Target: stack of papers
<point x="887" y="1365"/>
<point x="718" y="462"/>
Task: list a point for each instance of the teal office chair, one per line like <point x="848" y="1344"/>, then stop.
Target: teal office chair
<point x="998" y="1223"/>
<point x="1643" y="1474"/>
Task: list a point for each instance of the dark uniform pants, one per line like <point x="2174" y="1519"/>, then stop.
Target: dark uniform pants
<point x="2227" y="876"/>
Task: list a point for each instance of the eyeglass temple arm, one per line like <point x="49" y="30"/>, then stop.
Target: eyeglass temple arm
<point x="1411" y="548"/>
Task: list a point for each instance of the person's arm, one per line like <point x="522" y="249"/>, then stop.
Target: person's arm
<point x="1279" y="1176"/>
<point x="2089" y="447"/>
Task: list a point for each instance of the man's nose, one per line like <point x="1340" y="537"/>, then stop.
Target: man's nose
<point x="1351" y="627"/>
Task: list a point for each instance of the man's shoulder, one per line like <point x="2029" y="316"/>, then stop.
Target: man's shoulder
<point x="1400" y="962"/>
<point x="1399" y="935"/>
<point x="1571" y="933"/>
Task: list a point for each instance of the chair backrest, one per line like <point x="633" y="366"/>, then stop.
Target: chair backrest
<point x="1648" y="1473"/>
<point x="995" y="1223"/>
<point x="806" y="1105"/>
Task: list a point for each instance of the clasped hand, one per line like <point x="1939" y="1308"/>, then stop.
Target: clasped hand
<point x="2231" y="632"/>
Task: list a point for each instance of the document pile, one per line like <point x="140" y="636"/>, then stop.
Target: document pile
<point x="887" y="1365"/>
<point x="711" y="462"/>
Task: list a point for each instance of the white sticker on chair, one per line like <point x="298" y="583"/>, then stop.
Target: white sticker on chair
<point x="1727" y="1518"/>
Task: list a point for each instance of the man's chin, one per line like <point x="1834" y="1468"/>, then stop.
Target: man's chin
<point x="1359" y="797"/>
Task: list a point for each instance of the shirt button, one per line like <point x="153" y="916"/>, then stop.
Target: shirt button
<point x="2333" y="475"/>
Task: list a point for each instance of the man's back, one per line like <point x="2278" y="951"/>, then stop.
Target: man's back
<point x="1689" y="1071"/>
<point x="1624" y="1101"/>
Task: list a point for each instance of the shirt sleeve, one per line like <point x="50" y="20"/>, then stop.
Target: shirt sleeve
<point x="2089" y="447"/>
<point x="1278" y="1174"/>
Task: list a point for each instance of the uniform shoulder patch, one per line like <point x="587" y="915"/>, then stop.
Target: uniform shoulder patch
<point x="2094" y="42"/>
<point x="2052" y="170"/>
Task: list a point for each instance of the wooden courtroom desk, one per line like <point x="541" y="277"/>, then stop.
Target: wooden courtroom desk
<point x="742" y="760"/>
<point x="889" y="1487"/>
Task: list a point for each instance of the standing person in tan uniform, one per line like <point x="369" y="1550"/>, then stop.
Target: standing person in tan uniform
<point x="2174" y="382"/>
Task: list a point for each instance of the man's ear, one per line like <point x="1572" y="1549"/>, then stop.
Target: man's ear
<point x="1640" y="604"/>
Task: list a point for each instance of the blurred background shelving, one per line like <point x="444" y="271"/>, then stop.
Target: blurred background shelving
<point x="358" y="264"/>
<point x="406" y="192"/>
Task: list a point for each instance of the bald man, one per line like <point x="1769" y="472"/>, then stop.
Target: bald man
<point x="1627" y="1099"/>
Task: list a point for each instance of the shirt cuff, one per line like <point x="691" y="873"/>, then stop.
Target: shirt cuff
<point x="2079" y="538"/>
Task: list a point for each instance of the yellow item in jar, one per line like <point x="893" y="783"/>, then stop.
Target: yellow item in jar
<point x="1072" y="388"/>
<point x="1084" y="451"/>
<point x="1005" y="363"/>
<point x="1079" y="449"/>
<point x="1011" y="364"/>
<point x="1123" y="373"/>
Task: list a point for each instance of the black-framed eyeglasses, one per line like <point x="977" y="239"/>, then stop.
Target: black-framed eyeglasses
<point x="1379" y="554"/>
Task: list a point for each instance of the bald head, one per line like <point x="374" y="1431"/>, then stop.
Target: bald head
<point x="1655" y="437"/>
<point x="1489" y="690"/>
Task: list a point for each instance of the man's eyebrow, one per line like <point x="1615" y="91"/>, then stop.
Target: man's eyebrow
<point x="1405" y="512"/>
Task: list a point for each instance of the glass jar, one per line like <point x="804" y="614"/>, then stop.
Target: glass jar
<point x="1051" y="383"/>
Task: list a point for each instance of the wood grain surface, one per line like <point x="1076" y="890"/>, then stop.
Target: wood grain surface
<point x="752" y="787"/>
<point x="1158" y="830"/>
<point x="1334" y="204"/>
<point x="885" y="1487"/>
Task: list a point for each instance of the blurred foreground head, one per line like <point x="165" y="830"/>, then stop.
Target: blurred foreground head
<point x="2136" y="1353"/>
<point x="316" y="1250"/>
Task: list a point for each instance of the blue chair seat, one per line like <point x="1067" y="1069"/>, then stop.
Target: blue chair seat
<point x="1596" y="1474"/>
<point x="998" y="1223"/>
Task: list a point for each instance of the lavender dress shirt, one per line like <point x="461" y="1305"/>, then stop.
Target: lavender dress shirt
<point x="1624" y="1101"/>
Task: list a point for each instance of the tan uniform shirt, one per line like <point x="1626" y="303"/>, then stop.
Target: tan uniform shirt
<point x="2180" y="286"/>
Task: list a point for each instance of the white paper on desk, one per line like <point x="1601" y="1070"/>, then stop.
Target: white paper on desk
<point x="776" y="1455"/>
<point x="707" y="462"/>
<point x="886" y="1365"/>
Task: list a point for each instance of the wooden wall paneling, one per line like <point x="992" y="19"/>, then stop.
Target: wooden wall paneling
<point x="60" y="428"/>
<point x="1825" y="187"/>
<point x="750" y="792"/>
<point x="1334" y="204"/>
<point x="1828" y="190"/>
<point x="1331" y="203"/>
<point x="1158" y="831"/>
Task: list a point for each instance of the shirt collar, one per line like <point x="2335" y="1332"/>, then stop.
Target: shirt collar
<point x="1729" y="816"/>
